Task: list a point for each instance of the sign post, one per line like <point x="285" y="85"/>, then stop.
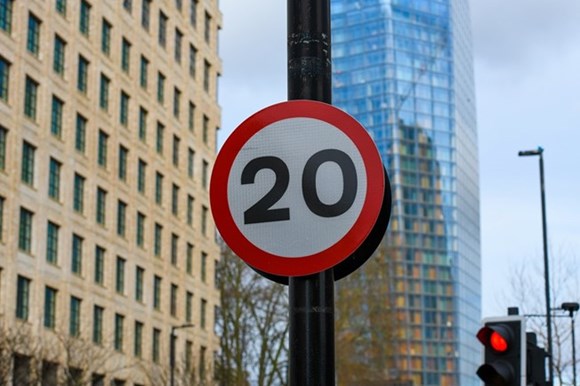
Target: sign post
<point x="311" y="298"/>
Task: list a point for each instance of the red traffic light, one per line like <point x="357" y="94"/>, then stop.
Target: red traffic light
<point x="497" y="338"/>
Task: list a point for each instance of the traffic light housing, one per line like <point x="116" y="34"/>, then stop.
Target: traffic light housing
<point x="536" y="362"/>
<point x="504" y="339"/>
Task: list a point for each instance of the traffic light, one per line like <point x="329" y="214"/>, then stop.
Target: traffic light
<point x="536" y="362"/>
<point x="504" y="363"/>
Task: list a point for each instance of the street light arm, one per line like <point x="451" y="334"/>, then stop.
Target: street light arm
<point x="524" y="153"/>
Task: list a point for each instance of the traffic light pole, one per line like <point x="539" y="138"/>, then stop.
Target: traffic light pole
<point x="312" y="297"/>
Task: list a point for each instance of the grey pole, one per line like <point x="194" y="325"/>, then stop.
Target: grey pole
<point x="540" y="152"/>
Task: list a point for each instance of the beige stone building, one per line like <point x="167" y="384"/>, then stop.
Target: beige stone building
<point x="108" y="121"/>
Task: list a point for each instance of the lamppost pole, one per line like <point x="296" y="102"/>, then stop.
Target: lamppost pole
<point x="172" y="351"/>
<point x="539" y="152"/>
<point x="572" y="307"/>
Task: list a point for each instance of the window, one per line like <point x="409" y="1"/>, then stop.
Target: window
<point x="124" y="109"/>
<point x="190" y="201"/>
<point x="80" y="133"/>
<point x="174" y="244"/>
<point x="74" y="328"/>
<point x="52" y="230"/>
<point x="27" y="167"/>
<point x="176" y="102"/>
<point x="188" y="307"/>
<point x="33" y="38"/>
<point x="158" y="188"/>
<point x="98" y="324"/>
<point x="49" y="373"/>
<point x="25" y="230"/>
<point x="203" y="267"/>
<point x="118" y="343"/>
<point x="205" y="129"/>
<point x="190" y="162"/>
<point x="141" y="175"/>
<point x="4" y="78"/>
<point x="77" y="254"/>
<point x="120" y="276"/>
<point x="157" y="240"/>
<point x="174" y="199"/>
<point x="142" y="124"/>
<point x="178" y="4"/>
<point x="3" y="143"/>
<point x="128" y="5"/>
<point x="207" y="28"/>
<point x="192" y="60"/>
<point x="155" y="345"/>
<point x="99" y="265"/>
<point x="206" y="75"/>
<point x="202" y="315"/>
<point x="56" y="117"/>
<point x="173" y="300"/>
<point x="83" y="73"/>
<point x="123" y="155"/>
<point x="160" y="87"/>
<point x="84" y="20"/>
<point x="104" y="92"/>
<point x="140" y="231"/>
<point x="162" y="29"/>
<point x="79" y="193"/>
<point x="54" y="179"/>
<point x="159" y="141"/>
<point x="101" y="206"/>
<point x="138" y="342"/>
<point x="139" y="274"/>
<point x="143" y="72"/>
<point x="176" y="142"/>
<point x="49" y="307"/>
<point x="30" y="97"/>
<point x="61" y="7"/>
<point x="121" y="218"/>
<point x="102" y="149"/>
<point x="189" y="259"/>
<point x="204" y="174"/>
<point x="106" y="37"/>
<point x="22" y="297"/>
<point x="193" y="12"/>
<point x="6" y="15"/>
<point x="145" y="14"/>
<point x="59" y="55"/>
<point x="2" y="199"/>
<point x="178" y="41"/>
<point x="191" y="117"/>
<point x="157" y="292"/>
<point x="204" y="220"/>
<point x="125" y="55"/>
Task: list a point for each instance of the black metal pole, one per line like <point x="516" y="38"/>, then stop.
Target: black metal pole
<point x="573" y="348"/>
<point x="172" y="356"/>
<point x="312" y="297"/>
<point x="546" y="270"/>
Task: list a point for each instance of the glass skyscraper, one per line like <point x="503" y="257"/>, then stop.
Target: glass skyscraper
<point x="404" y="69"/>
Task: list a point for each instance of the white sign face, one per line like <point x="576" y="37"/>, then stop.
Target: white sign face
<point x="290" y="144"/>
<point x="297" y="188"/>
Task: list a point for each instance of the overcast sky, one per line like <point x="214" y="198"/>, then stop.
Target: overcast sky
<point x="527" y="72"/>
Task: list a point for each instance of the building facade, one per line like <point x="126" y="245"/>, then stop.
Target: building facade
<point x="108" y="120"/>
<point x="404" y="69"/>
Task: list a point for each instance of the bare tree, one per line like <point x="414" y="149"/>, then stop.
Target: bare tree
<point x="253" y="325"/>
<point x="19" y="355"/>
<point x="366" y="323"/>
<point x="527" y="292"/>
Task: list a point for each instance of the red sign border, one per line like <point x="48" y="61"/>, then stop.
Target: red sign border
<point x="333" y="255"/>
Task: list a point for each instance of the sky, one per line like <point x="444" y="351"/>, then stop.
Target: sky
<point x="527" y="76"/>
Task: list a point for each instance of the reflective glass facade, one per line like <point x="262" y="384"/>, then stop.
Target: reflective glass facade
<point x="404" y="69"/>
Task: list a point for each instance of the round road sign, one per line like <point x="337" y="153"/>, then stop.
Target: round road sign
<point x="297" y="188"/>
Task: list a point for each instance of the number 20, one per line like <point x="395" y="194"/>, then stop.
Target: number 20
<point x="262" y="211"/>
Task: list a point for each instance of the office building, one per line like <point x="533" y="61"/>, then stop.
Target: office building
<point x="108" y="120"/>
<point x="404" y="69"/>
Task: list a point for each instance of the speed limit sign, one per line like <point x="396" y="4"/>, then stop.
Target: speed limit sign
<point x="297" y="188"/>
